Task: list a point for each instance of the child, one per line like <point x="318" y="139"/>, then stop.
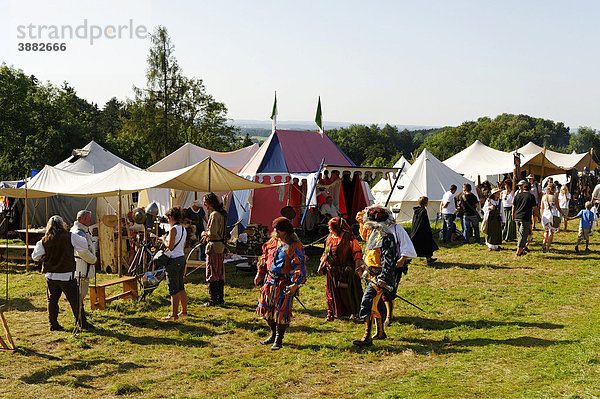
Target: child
<point x="585" y="225"/>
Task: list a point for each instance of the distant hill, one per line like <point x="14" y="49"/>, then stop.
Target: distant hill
<point x="256" y="128"/>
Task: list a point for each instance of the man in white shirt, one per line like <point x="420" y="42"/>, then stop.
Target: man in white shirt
<point x="83" y="270"/>
<point x="448" y="210"/>
<point x="328" y="210"/>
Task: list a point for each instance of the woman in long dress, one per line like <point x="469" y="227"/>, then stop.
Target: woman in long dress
<point x="549" y="208"/>
<point x="509" y="232"/>
<point x="340" y="261"/>
<point x="494" y="217"/>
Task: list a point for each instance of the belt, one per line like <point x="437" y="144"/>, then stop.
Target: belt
<point x="280" y="276"/>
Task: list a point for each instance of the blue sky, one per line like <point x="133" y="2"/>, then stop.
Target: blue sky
<point x="406" y="62"/>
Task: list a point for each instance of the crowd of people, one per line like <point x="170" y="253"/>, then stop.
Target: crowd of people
<point x="360" y="283"/>
<point x="509" y="215"/>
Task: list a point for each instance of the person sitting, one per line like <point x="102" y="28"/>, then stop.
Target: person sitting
<point x="328" y="210"/>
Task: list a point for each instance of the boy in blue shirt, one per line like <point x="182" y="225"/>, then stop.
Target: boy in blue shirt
<point x="585" y="225"/>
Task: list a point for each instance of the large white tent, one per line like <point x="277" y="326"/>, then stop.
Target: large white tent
<point x="486" y="163"/>
<point x="187" y="155"/>
<point x="382" y="189"/>
<point x="428" y="177"/>
<point x="92" y="158"/>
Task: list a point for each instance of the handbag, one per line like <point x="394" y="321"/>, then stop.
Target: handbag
<point x="484" y="226"/>
<point x="160" y="259"/>
<point x="555" y="219"/>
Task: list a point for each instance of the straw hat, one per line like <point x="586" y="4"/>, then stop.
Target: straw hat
<point x="496" y="190"/>
<point x="521" y="182"/>
<point x="530" y="176"/>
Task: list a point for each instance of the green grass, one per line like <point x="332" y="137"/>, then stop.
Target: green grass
<point x="495" y="327"/>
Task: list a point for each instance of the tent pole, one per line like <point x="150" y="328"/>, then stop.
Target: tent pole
<point x="119" y="237"/>
<point x="543" y="164"/>
<point x="26" y="229"/>
<point x="46" y="208"/>
<point x="312" y="191"/>
<point x="209" y="173"/>
<point x="591" y="157"/>
<point x="399" y="172"/>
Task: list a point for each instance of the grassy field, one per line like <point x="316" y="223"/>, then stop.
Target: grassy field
<point x="495" y="326"/>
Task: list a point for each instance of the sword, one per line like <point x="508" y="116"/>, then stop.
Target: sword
<point x="390" y="292"/>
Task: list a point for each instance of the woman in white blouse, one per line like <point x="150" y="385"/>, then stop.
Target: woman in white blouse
<point x="564" y="197"/>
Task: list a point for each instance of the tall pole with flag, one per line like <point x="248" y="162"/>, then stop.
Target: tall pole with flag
<point x="319" y="117"/>
<point x="274" y="114"/>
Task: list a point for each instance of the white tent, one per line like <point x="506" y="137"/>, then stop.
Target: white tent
<point x="184" y="156"/>
<point x="480" y="160"/>
<point x="567" y="161"/>
<point x="382" y="189"/>
<point x="428" y="177"/>
<point x="92" y="158"/>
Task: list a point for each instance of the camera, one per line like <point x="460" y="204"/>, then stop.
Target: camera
<point x="162" y="219"/>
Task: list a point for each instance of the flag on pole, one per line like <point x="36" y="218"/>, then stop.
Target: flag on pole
<point x="274" y="114"/>
<point x="319" y="117"/>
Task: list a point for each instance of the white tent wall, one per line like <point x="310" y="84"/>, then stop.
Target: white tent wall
<point x="404" y="211"/>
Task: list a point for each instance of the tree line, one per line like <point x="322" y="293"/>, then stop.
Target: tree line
<point x="42" y="123"/>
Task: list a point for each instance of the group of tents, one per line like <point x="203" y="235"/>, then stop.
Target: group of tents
<point x="293" y="169"/>
<point x="430" y="177"/>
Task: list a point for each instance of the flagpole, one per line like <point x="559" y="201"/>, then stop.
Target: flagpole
<point x="274" y="114"/>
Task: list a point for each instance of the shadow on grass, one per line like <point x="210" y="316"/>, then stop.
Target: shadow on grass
<point x="22" y="305"/>
<point x="445" y="346"/>
<point x="469" y="266"/>
<point x="437" y="325"/>
<point x="30" y="352"/>
<point x="192" y="330"/>
<point x="44" y="376"/>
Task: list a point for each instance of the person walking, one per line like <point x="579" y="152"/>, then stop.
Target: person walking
<point x="340" y="261"/>
<point x="550" y="209"/>
<point x="469" y="206"/>
<point x="494" y="219"/>
<point x="448" y="210"/>
<point x="524" y="208"/>
<point x="214" y="238"/>
<point x="420" y="232"/>
<point x="509" y="232"/>
<point x="282" y="267"/>
<point x="585" y="226"/>
<point x="536" y="191"/>
<point x="57" y="251"/>
<point x="564" y="200"/>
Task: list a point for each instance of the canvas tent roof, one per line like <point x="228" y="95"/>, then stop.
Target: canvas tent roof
<point x="381" y="190"/>
<point x="92" y="158"/>
<point x="428" y="177"/>
<point x="189" y="154"/>
<point x="567" y="161"/>
<point x="481" y="160"/>
<point x="288" y="152"/>
<point x="203" y="176"/>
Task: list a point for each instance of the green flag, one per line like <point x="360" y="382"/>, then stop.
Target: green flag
<point x="274" y="114"/>
<point x="319" y="117"/>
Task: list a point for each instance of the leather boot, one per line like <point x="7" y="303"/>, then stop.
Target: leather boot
<point x="273" y="328"/>
<point x="380" y="332"/>
<point x="220" y="292"/>
<point x="279" y="337"/>
<point x="389" y="305"/>
<point x="366" y="339"/>
<point x="212" y="290"/>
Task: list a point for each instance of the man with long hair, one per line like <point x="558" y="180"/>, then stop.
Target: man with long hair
<point x="57" y="250"/>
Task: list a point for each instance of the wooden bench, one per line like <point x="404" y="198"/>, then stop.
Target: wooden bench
<point x="98" y="299"/>
<point x="24" y="249"/>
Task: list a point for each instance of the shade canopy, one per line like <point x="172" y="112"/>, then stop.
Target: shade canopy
<point x="203" y="176"/>
<point x="566" y="161"/>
